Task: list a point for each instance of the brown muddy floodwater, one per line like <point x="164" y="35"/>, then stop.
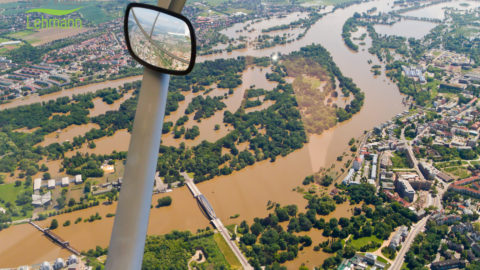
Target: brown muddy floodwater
<point x="101" y="107"/>
<point x="248" y="191"/>
<point x="402" y="28"/>
<point x="252" y="76"/>
<point x="106" y="145"/>
<point x="437" y="11"/>
<point x="23" y="244"/>
<point x="67" y="134"/>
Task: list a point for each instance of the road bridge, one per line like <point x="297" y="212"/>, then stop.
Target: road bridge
<point x="217" y="223"/>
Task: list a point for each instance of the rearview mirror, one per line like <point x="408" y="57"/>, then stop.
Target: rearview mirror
<point x="160" y="39"/>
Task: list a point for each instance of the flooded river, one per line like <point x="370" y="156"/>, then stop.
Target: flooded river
<point x="248" y="191"/>
<point x="68" y="92"/>
<point x="437" y="11"/>
<point x="403" y="27"/>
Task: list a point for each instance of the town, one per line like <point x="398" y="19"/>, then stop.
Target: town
<point x="406" y="194"/>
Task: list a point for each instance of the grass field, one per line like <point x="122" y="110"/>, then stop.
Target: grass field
<point x="360" y="242"/>
<point x="399" y="161"/>
<point x="227" y="251"/>
<point x="21" y="34"/>
<point x="8" y="193"/>
<point x="460" y="172"/>
<point x="92" y="11"/>
<point x="3" y="39"/>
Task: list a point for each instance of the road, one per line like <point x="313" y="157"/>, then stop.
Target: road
<point x="216" y="221"/>
<point x="410" y="153"/>
<point x="416" y="228"/>
<point x="419" y="226"/>
<point x="437" y="200"/>
<point x="224" y="232"/>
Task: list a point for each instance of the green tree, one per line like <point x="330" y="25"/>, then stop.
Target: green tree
<point x="53" y="224"/>
<point x="165" y="201"/>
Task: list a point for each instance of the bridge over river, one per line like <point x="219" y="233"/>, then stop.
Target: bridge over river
<point x="217" y="223"/>
<point x="55" y="238"/>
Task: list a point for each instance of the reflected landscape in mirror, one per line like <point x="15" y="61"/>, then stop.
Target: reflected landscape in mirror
<point x="159" y="39"/>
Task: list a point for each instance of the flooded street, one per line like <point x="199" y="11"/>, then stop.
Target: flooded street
<point x="244" y="192"/>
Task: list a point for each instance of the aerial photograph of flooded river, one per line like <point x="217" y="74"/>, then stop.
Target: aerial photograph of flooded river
<point x="310" y="134"/>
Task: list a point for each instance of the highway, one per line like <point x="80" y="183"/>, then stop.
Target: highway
<point x="216" y="221"/>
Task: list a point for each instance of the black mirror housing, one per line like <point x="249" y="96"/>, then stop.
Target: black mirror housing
<point x="160" y="39"/>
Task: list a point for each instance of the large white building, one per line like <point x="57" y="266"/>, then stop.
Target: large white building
<point x="357" y="163"/>
<point x="40" y="200"/>
<point x="373" y="174"/>
<point x="65" y="181"/>
<point x="37" y="184"/>
<point x="78" y="179"/>
<point x="349" y="177"/>
<point x="51" y="184"/>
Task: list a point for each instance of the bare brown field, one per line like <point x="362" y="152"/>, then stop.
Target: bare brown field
<point x="43" y="36"/>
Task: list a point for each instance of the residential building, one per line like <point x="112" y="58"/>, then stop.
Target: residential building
<point x="448" y="264"/>
<point x="398" y="237"/>
<point x="446" y="219"/>
<point x="374" y="159"/>
<point x="468" y="186"/>
<point x="373" y="173"/>
<point x="388" y="186"/>
<point x="444" y="177"/>
<point x="404" y="189"/>
<point x="426" y="170"/>
<point x="349" y="177"/>
<point x="370" y="258"/>
<point x="420" y="184"/>
<point x="357" y="163"/>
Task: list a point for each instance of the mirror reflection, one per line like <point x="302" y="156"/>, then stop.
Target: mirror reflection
<point x="159" y="39"/>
